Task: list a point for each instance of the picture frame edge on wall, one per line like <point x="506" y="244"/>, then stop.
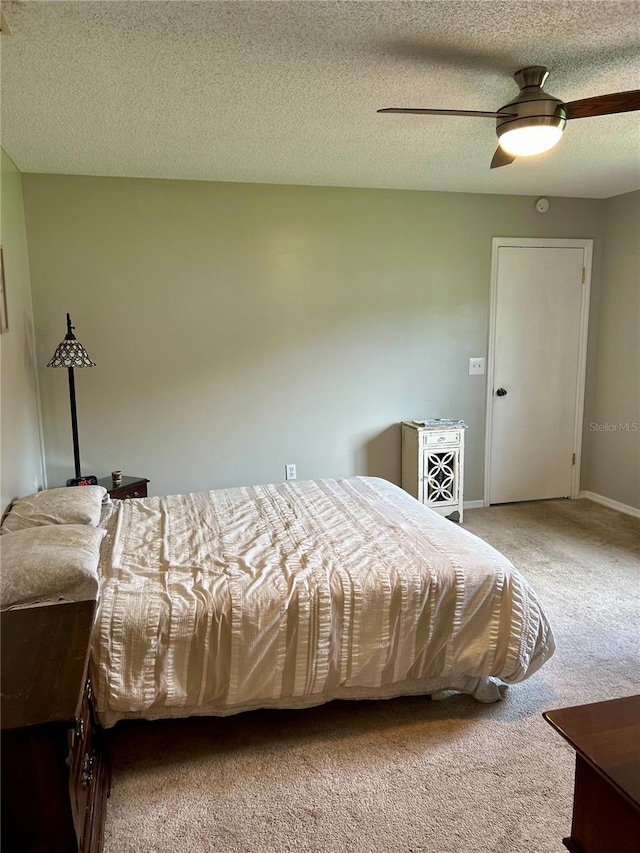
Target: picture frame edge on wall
<point x="4" y="315"/>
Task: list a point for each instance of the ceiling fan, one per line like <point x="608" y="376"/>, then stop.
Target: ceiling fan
<point x="534" y="121"/>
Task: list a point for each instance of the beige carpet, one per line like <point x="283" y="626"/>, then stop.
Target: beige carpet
<point x="406" y="775"/>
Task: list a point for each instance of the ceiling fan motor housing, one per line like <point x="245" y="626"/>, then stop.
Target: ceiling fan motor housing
<point x="533" y="107"/>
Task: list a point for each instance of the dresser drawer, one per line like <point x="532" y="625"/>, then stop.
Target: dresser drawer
<point x="137" y="490"/>
<point x="80" y="732"/>
<point x="439" y="439"/>
<point x="79" y="741"/>
<point x="82" y="759"/>
<point x="88" y="777"/>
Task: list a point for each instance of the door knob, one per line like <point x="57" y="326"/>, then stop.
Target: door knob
<point x="501" y="392"/>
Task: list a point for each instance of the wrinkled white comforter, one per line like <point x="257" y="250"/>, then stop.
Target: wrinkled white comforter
<point x="293" y="594"/>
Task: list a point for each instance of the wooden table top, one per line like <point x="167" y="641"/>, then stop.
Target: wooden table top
<point x="607" y="735"/>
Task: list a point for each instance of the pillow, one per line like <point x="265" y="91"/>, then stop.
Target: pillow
<point x="73" y="505"/>
<point x="49" y="564"/>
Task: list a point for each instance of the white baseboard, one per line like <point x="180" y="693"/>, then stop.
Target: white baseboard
<point x="600" y="499"/>
<point x="473" y="504"/>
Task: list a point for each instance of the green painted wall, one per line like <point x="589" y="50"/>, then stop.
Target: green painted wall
<point x="21" y="464"/>
<point x="612" y="430"/>
<point x="238" y="327"/>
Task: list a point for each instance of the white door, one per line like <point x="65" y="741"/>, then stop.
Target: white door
<point x="537" y="380"/>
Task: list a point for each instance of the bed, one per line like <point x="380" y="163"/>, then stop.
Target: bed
<point x="294" y="594"/>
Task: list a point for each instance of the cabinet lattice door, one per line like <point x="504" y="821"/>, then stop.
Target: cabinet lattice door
<point x="433" y="466"/>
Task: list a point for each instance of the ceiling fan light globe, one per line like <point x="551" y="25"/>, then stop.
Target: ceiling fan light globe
<point x="529" y="140"/>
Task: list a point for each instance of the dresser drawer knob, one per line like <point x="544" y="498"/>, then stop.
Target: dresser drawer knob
<point x="87" y="771"/>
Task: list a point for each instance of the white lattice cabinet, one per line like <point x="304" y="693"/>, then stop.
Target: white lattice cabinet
<point x="433" y="466"/>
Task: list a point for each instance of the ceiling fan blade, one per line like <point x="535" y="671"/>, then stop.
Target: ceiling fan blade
<point x="604" y="105"/>
<point x="501" y="158"/>
<point x="477" y="113"/>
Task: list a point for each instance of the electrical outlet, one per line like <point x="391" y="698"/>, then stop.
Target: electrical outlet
<point x="290" y="472"/>
<point x="476" y="365"/>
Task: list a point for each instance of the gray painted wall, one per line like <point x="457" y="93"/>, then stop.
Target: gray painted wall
<point x="612" y="419"/>
<point x="21" y="465"/>
<point x="238" y="327"/>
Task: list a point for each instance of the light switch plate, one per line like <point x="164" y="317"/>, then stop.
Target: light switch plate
<point x="476" y="365"/>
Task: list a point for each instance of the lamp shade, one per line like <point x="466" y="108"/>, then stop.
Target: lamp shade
<point x="528" y="139"/>
<point x="70" y="353"/>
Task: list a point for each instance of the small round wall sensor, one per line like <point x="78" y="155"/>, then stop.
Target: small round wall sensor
<point x="542" y="205"/>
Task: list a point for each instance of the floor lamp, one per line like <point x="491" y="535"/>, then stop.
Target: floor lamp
<point x="71" y="354"/>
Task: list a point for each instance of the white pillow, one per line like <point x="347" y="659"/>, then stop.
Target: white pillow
<point x="73" y="505"/>
<point x="49" y="564"/>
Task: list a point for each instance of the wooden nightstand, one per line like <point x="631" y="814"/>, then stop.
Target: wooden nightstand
<point x="130" y="487"/>
<point x="55" y="771"/>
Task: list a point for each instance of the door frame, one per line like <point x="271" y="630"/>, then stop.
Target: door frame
<point x="539" y="243"/>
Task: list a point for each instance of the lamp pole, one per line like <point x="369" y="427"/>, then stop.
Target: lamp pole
<point x="70" y="354"/>
<point x="72" y="399"/>
<point x="74" y="421"/>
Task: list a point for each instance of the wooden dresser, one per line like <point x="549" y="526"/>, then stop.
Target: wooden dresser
<point x="55" y="771"/>
<point x="606" y="800"/>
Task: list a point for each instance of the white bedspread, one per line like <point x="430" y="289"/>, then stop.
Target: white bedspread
<point x="293" y="594"/>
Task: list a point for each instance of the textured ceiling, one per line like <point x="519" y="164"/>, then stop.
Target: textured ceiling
<point x="287" y="92"/>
